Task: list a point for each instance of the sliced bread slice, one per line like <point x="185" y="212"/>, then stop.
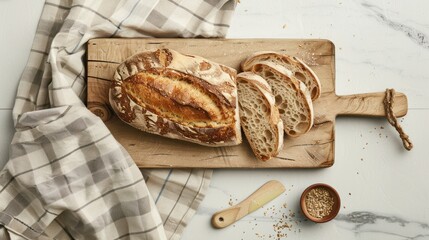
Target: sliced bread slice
<point x="291" y="97"/>
<point x="259" y="117"/>
<point x="294" y="65"/>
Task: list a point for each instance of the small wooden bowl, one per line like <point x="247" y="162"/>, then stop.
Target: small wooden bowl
<point x="335" y="207"/>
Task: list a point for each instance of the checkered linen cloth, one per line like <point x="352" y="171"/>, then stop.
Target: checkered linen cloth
<point x="67" y="177"/>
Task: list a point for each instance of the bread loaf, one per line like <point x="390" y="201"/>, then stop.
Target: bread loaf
<point x="291" y="96"/>
<point x="294" y="68"/>
<point x="259" y="116"/>
<point x="178" y="96"/>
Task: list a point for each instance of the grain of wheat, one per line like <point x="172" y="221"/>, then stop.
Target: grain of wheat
<point x="319" y="202"/>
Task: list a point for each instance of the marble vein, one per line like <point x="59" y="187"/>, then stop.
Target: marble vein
<point x="361" y="222"/>
<point x="414" y="34"/>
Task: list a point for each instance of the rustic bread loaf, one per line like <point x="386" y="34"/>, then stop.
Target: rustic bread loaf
<point x="291" y="97"/>
<point x="178" y="96"/>
<point x="295" y="67"/>
<point x="259" y="116"/>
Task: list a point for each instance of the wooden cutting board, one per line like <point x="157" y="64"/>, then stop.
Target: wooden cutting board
<point x="312" y="150"/>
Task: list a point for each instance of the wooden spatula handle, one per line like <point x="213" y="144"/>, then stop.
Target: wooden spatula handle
<point x="263" y="195"/>
<point x="369" y="104"/>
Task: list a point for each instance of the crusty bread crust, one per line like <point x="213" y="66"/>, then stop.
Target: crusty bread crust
<point x="300" y="94"/>
<point x="296" y="67"/>
<point x="275" y="124"/>
<point x="178" y="96"/>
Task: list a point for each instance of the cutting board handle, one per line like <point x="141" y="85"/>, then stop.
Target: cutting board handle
<point x="370" y="104"/>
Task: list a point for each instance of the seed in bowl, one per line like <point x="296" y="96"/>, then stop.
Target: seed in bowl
<point x="319" y="202"/>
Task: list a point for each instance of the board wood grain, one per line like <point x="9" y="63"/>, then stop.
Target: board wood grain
<point x="315" y="149"/>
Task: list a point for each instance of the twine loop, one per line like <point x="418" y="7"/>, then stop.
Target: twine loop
<point x="391" y="118"/>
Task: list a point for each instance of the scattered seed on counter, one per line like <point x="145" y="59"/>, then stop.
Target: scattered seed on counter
<point x="230" y="202"/>
<point x="283" y="221"/>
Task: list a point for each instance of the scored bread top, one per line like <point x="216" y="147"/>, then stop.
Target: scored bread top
<point x="265" y="136"/>
<point x="292" y="97"/>
<point x="178" y="96"/>
<point x="221" y="77"/>
<point x="294" y="65"/>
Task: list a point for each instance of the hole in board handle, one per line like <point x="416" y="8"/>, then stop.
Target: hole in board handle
<point x="221" y="219"/>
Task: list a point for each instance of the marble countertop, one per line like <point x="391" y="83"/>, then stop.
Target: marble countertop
<point x="379" y="44"/>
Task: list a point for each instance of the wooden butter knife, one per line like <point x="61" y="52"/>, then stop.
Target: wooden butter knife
<point x="260" y="197"/>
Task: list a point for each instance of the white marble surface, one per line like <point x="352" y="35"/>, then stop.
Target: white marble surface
<point x="379" y="44"/>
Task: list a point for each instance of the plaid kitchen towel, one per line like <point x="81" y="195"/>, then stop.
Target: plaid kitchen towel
<point x="67" y="177"/>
